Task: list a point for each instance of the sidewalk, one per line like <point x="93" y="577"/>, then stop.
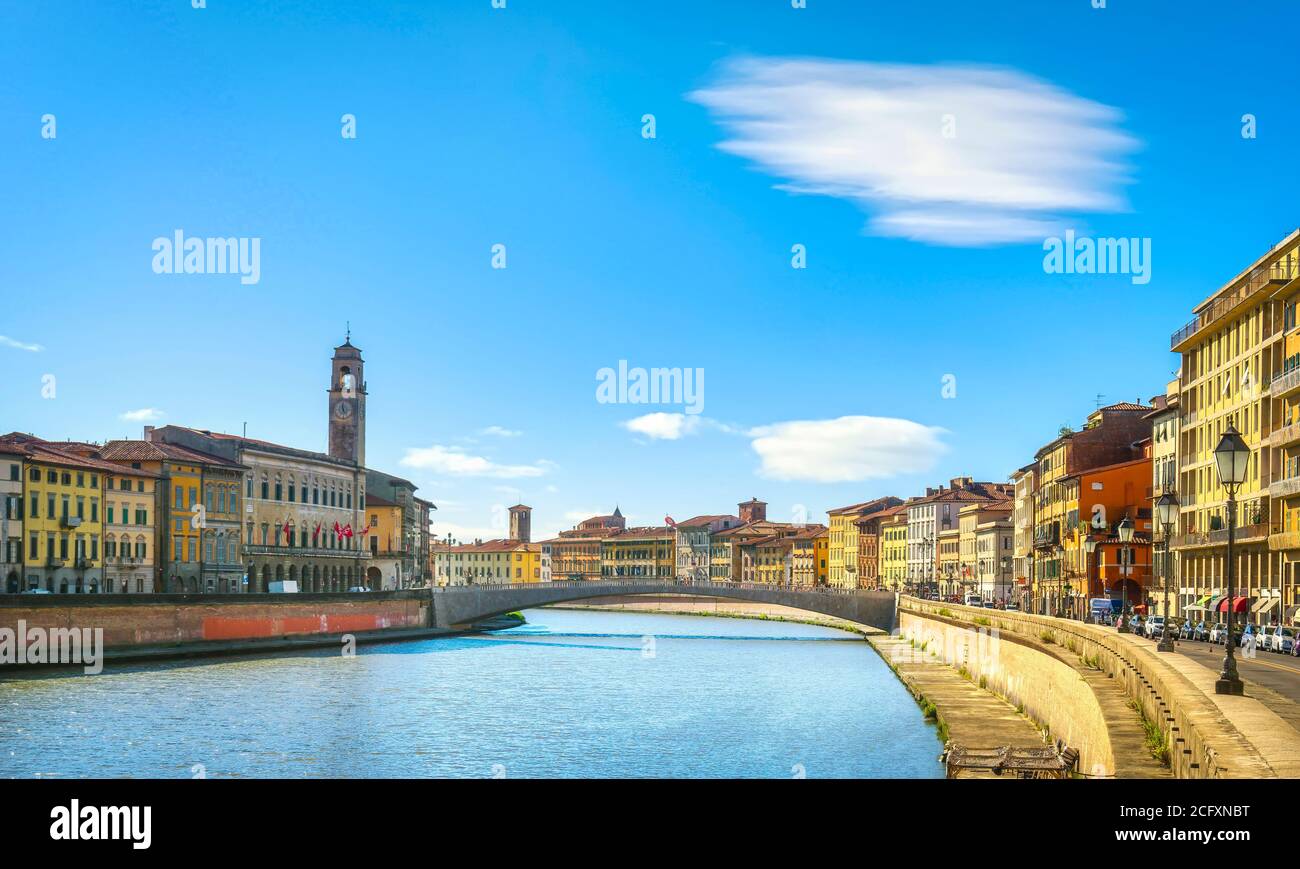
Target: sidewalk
<point x="972" y="716"/>
<point x="1273" y="737"/>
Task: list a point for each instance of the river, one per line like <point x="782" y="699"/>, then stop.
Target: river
<point x="570" y="694"/>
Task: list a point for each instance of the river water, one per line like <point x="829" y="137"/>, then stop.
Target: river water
<point x="570" y="694"/>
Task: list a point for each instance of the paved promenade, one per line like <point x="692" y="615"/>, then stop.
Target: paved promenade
<point x="973" y="717"/>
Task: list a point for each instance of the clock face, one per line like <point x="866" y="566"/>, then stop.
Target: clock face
<point x="343" y="410"/>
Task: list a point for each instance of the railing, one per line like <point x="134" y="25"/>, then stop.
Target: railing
<point x="311" y="551"/>
<point x="1284" y="435"/>
<point x="721" y="586"/>
<point x="1279" y="272"/>
<point x="1284" y="488"/>
<point x="1211" y="538"/>
<point x="1285" y="382"/>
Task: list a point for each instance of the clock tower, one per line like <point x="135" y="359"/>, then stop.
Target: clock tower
<point x="347" y="404"/>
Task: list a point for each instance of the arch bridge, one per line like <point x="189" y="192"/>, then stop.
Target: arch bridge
<point x="464" y="605"/>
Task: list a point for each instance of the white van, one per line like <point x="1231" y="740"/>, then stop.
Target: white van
<point x="974" y="600"/>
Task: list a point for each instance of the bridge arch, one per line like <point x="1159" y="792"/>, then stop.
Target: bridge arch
<point x="464" y="605"/>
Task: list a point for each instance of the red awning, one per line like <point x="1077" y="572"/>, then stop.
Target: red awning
<point x="1239" y="605"/>
<point x="1140" y="609"/>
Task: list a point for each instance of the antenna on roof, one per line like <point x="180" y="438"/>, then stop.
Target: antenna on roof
<point x="1100" y="399"/>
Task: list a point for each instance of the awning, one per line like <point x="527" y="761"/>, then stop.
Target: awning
<point x="1215" y="603"/>
<point x="1194" y="608"/>
<point x="1203" y="602"/>
<point x="1239" y="605"/>
<point x="1140" y="609"/>
<point x="1265" y="604"/>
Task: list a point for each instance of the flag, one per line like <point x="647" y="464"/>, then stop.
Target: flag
<point x="338" y="532"/>
<point x="315" y="534"/>
<point x="668" y="520"/>
<point x="347" y="530"/>
<point x="288" y="534"/>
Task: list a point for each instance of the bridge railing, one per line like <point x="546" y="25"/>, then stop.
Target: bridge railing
<point x="667" y="583"/>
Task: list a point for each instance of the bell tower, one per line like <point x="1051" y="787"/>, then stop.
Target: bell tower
<point x="347" y="404"/>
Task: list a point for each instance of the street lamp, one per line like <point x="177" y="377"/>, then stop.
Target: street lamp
<point x="1089" y="547"/>
<point x="1125" y="529"/>
<point x="1231" y="457"/>
<point x="1166" y="515"/>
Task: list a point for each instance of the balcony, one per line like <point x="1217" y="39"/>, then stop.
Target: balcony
<point x="1286" y="383"/>
<point x="70" y="521"/>
<point x="1245" y="534"/>
<point x="1287" y="434"/>
<point x="1285" y="488"/>
<point x="1260" y="279"/>
<point x="306" y="552"/>
<point x="1284" y="540"/>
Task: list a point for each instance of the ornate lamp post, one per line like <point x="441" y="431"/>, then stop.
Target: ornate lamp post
<point x="1231" y="457"/>
<point x="1166" y="515"/>
<point x="1125" y="530"/>
<point x="1089" y="547"/>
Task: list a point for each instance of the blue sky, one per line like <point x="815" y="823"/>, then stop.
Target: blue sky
<point x="522" y="127"/>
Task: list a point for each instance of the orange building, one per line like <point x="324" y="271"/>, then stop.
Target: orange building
<point x="1106" y="496"/>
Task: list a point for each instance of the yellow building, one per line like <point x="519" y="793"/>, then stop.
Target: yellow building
<point x="197" y="515"/>
<point x="489" y="562"/>
<point x="130" y="530"/>
<point x="821" y="552"/>
<point x="639" y="552"/>
<point x="63" y="493"/>
<point x="893" y="551"/>
<point x="842" y="550"/>
<point x="1240" y="358"/>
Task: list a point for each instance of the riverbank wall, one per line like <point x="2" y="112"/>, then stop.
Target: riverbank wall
<point x="1044" y="665"/>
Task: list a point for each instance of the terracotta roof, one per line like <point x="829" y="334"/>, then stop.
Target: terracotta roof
<point x="497" y="546"/>
<point x="707" y="519"/>
<point x="51" y="454"/>
<point x="156" y="451"/>
<point x="865" y="506"/>
<point x="1125" y="405"/>
<point x="376" y="501"/>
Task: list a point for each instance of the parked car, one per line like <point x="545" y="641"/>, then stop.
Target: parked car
<point x="38" y="591"/>
<point x="1013" y="607"/>
<point x="1249" y="637"/>
<point x="358" y="588"/>
<point x="1187" y="630"/>
<point x="1219" y="633"/>
<point x="1282" y="640"/>
<point x="1154" y="627"/>
<point x="1201" y="633"/>
<point x="990" y="605"/>
<point x="1138" y="625"/>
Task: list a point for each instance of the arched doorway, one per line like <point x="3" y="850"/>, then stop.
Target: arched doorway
<point x="374" y="579"/>
<point x="266" y="578"/>
<point x="11" y="583"/>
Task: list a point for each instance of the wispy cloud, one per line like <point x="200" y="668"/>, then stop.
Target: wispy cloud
<point x="457" y="462"/>
<point x="144" y="414"/>
<point x="501" y="432"/>
<point x="6" y="341"/>
<point x="945" y="154"/>
<point x="846" y="449"/>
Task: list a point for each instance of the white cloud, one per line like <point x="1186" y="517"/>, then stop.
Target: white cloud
<point x="663" y="426"/>
<point x="846" y="449"/>
<point x="6" y="341"/>
<point x="144" y="414"/>
<point x="946" y="154"/>
<point x="455" y="461"/>
<point x="501" y="432"/>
